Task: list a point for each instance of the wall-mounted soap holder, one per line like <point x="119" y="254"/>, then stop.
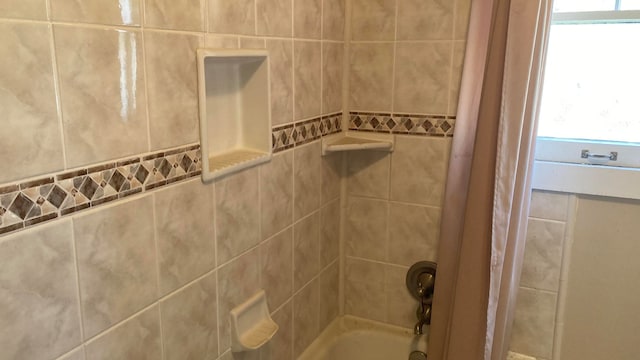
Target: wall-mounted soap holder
<point x="235" y="110"/>
<point x="251" y="324"/>
<point x="354" y="140"/>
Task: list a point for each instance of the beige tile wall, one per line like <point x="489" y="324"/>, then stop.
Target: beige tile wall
<point x="88" y="81"/>
<point x="406" y="55"/>
<point x="534" y="328"/>
<point x="154" y="276"/>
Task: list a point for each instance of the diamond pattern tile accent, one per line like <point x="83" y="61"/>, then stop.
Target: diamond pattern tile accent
<point x="27" y="204"/>
<point x="424" y="125"/>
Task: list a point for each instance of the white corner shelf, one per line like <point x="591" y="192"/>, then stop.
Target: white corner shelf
<point x="354" y="141"/>
<point x="235" y="110"/>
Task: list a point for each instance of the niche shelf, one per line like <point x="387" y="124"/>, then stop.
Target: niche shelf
<point x="353" y="141"/>
<point x="235" y="113"/>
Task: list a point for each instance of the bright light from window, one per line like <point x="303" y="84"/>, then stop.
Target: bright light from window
<point x="584" y="5"/>
<point x="592" y="82"/>
<point x="629" y="4"/>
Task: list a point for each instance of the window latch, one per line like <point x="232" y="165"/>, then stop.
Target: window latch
<point x="612" y="156"/>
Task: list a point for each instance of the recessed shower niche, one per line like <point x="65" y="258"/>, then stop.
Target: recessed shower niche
<point x="235" y="114"/>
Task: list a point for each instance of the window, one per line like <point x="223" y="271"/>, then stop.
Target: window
<point x="590" y="109"/>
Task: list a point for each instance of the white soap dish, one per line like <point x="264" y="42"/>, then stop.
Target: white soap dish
<point x="251" y="324"/>
<point x="354" y="141"/>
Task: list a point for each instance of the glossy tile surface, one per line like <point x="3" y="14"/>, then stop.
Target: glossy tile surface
<point x="237" y="214"/>
<point x="276" y="196"/>
<point x="425" y="19"/>
<point x="175" y="15"/>
<point x="307" y="179"/>
<point x="103" y="93"/>
<point x="121" y="12"/>
<point x="307" y="21"/>
<point x="184" y="233"/>
<point x="281" y="346"/>
<point x="232" y="16"/>
<point x="307" y="79"/>
<point x="116" y="263"/>
<point x="30" y="128"/>
<point x="189" y="322"/>
<point x="365" y="289"/>
<point x="543" y="255"/>
<point x="24" y="9"/>
<point x="39" y="308"/>
<point x="330" y="218"/>
<point x="306" y="250"/>
<point x="281" y="67"/>
<point x="305" y="317"/>
<point x="276" y="267"/>
<point x="373" y="20"/>
<point x="332" y="63"/>
<point x="366" y="228"/>
<point x="329" y="283"/>
<point x="137" y="338"/>
<point x="173" y="88"/>
<point x="368" y="173"/>
<point x="429" y="62"/>
<point x="534" y="319"/>
<point x="413" y="233"/>
<point x="333" y="15"/>
<point x="370" y="78"/>
<point x="274" y="17"/>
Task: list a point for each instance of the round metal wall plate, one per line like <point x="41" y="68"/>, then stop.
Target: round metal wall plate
<point x="413" y="276"/>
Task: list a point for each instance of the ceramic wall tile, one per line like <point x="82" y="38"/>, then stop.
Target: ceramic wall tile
<point x="173" y="88"/>
<point x="252" y="43"/>
<point x="333" y="19"/>
<point x="370" y="76"/>
<point x="23" y="9"/>
<point x="306" y="250"/>
<point x="413" y="233"/>
<point x="276" y="194"/>
<point x="463" y="10"/>
<point x="534" y="319"/>
<point x="401" y="306"/>
<point x="373" y="20"/>
<point x="232" y="16"/>
<point x="237" y="214"/>
<point x="332" y="62"/>
<point x="307" y="19"/>
<point x="365" y="289"/>
<point x="39" y="308"/>
<point x="237" y="282"/>
<point x="30" y="129"/>
<point x="280" y="347"/>
<point x="175" y="15"/>
<point x="425" y="19"/>
<point x="305" y="317"/>
<point x="221" y="41"/>
<point x="330" y="218"/>
<point x="281" y="63"/>
<point x="429" y="62"/>
<point x="184" y="233"/>
<point x="123" y="12"/>
<point x="543" y="255"/>
<point x="331" y="177"/>
<point x="459" y="48"/>
<point x="549" y="205"/>
<point x="366" y="228"/>
<point x="103" y="93"/>
<point x="137" y="338"/>
<point x="189" y="322"/>
<point x="116" y="263"/>
<point x="307" y="79"/>
<point x="276" y="268"/>
<point x="418" y="170"/>
<point x="329" y="307"/>
<point x="274" y="18"/>
<point x="368" y="174"/>
<point x="307" y="179"/>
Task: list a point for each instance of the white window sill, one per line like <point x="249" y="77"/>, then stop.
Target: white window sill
<point x="620" y="182"/>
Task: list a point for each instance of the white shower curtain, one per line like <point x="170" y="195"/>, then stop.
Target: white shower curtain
<point x="488" y="187"/>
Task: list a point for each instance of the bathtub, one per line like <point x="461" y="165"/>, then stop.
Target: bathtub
<point x="352" y="338"/>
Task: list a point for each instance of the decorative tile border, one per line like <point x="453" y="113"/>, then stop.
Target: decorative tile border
<point x="26" y="204"/>
<point x="287" y="136"/>
<point x="29" y="203"/>
<point x="423" y="125"/>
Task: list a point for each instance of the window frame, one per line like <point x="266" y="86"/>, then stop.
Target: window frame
<point x="559" y="163"/>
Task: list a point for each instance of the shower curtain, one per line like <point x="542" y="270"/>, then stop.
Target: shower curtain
<point x="488" y="188"/>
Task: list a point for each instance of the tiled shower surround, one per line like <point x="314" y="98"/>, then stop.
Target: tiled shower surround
<point x="112" y="247"/>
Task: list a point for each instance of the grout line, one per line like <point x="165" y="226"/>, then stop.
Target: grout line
<point x="57" y="87"/>
<point x="157" y="261"/>
<point x="145" y="73"/>
<point x="377" y="262"/>
<point x="394" y="60"/>
<point x="78" y="292"/>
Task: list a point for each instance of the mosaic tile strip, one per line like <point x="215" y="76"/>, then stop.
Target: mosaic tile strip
<point x="287" y="136"/>
<point x="29" y="203"/>
<point x="26" y="204"/>
<point x="424" y="125"/>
